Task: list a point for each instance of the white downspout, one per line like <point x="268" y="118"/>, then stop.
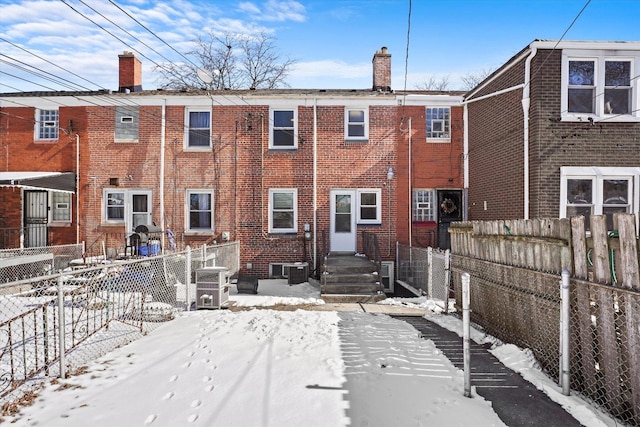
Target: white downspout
<point x="315" y="183"/>
<point x="526" y="104"/>
<point x="77" y="189"/>
<point x="161" y="180"/>
<point x="410" y="190"/>
<point x="465" y="159"/>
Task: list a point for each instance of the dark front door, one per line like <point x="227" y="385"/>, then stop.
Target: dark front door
<point x="449" y="210"/>
<point x="35" y="219"/>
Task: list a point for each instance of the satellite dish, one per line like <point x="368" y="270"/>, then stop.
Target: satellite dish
<point x="205" y="75"/>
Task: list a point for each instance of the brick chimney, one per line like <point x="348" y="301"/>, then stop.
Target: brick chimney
<point x="130" y="73"/>
<point x="382" y="70"/>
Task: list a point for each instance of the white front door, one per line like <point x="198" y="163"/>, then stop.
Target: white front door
<point x="342" y="237"/>
<point x="138" y="209"/>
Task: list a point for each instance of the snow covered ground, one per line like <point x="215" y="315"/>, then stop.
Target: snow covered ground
<point x="264" y="367"/>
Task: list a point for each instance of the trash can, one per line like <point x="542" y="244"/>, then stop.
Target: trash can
<point x="212" y="287"/>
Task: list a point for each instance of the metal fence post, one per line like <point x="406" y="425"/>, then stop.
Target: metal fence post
<point x="564" y="334"/>
<point x="430" y="272"/>
<point x="466" y="331"/>
<point x="61" y="327"/>
<point x="447" y="279"/>
<point x="187" y="281"/>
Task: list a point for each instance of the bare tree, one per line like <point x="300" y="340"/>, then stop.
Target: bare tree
<point x="229" y="62"/>
<point x="434" y="83"/>
<point x="471" y="80"/>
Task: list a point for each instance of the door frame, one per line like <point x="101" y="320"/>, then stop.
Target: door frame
<point x="36" y="227"/>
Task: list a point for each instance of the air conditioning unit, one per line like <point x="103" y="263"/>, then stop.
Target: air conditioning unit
<point x="387" y="276"/>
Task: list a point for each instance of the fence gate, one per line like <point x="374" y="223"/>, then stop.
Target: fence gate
<point x="35" y="219"/>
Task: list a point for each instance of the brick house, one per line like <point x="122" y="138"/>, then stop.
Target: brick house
<point x="262" y="167"/>
<point x="555" y="132"/>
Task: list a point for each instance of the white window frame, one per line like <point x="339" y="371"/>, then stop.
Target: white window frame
<point x="187" y="128"/>
<point x="105" y="205"/>
<point x="127" y="117"/>
<point x="378" y="219"/>
<point x="187" y="218"/>
<point x="598" y="175"/>
<point x="293" y="129"/>
<point x="58" y="206"/>
<point x="430" y="207"/>
<point x="599" y="57"/>
<point x="446" y="124"/>
<point x="365" y="124"/>
<point x="47" y="119"/>
<point x="294" y="228"/>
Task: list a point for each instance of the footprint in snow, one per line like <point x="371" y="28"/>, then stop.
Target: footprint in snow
<point x="168" y="396"/>
<point x="196" y="403"/>
<point x="192" y="418"/>
<point x="210" y="387"/>
<point x="206" y="379"/>
<point x="151" y="418"/>
<point x="173" y="378"/>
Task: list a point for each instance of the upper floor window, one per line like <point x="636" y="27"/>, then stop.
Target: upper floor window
<point x="599" y="86"/>
<point x="438" y="124"/>
<point x="369" y="206"/>
<point x="47" y="124"/>
<point x="356" y="124"/>
<point x="284" y="129"/>
<point x="423" y="205"/>
<point x="200" y="205"/>
<point x="597" y="191"/>
<point x="127" y="122"/>
<point x="198" y="129"/>
<point x="283" y="210"/>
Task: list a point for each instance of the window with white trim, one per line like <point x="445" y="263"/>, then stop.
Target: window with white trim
<point x="283" y="210"/>
<point x="47" y="124"/>
<point x="283" y="129"/>
<point x="127" y="123"/>
<point x="60" y="207"/>
<point x="369" y="206"/>
<point x="113" y="205"/>
<point x="424" y="205"/>
<point x="200" y="210"/>
<point x="438" y="124"/>
<point x="356" y="124"/>
<point x="198" y="128"/>
<point x="599" y="86"/>
<point x="598" y="191"/>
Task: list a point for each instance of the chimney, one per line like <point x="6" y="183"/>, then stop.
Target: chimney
<point x="130" y="73"/>
<point x="382" y="70"/>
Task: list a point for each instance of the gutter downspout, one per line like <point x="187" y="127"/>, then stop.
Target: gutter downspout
<point x="465" y="161"/>
<point x="77" y="188"/>
<point x="410" y="190"/>
<point x="526" y="105"/>
<point x="315" y="184"/>
<point x="161" y="180"/>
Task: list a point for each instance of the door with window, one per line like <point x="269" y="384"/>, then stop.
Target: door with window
<point x="449" y="210"/>
<point x="343" y="234"/>
<point x="140" y="208"/>
<point x="35" y="218"/>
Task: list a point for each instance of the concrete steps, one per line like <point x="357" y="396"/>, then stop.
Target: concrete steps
<point x="348" y="278"/>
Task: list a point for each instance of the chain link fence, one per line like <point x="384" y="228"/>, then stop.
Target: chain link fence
<point x="54" y="324"/>
<point x="426" y="270"/>
<point x="522" y="307"/>
<point x="24" y="263"/>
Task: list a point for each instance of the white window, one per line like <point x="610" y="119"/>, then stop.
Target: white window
<point x="127" y="123"/>
<point x="598" y="191"/>
<point x="129" y="207"/>
<point x="356" y="124"/>
<point x="599" y="86"/>
<point x="46" y="124"/>
<point x="438" y="124"/>
<point x="369" y="206"/>
<point x="283" y="210"/>
<point x="283" y="129"/>
<point x="424" y="205"/>
<point x="60" y="207"/>
<point x="200" y="210"/>
<point x="198" y="129"/>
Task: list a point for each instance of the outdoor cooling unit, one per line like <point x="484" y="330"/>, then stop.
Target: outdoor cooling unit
<point x="298" y="273"/>
<point x="212" y="287"/>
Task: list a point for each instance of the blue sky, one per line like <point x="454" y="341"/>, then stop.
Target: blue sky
<point x="333" y="42"/>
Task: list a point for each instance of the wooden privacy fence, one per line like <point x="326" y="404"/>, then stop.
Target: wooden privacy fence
<point x="515" y="268"/>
